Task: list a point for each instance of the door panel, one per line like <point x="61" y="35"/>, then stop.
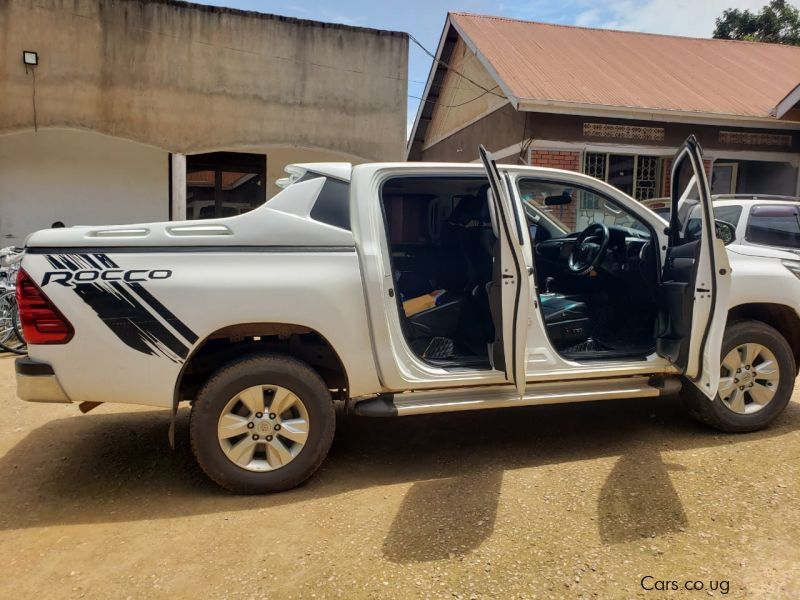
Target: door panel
<point x="706" y="354"/>
<point x="510" y="281"/>
<point x="695" y="281"/>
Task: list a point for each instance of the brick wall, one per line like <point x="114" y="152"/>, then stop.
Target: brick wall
<point x="560" y="159"/>
<point x="556" y="159"/>
<point x="666" y="171"/>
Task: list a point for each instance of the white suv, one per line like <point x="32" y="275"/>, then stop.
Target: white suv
<point x="760" y="220"/>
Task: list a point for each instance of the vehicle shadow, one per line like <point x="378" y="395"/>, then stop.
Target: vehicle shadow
<point x="638" y="499"/>
<point x="117" y="467"/>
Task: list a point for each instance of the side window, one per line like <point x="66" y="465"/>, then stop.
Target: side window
<point x="694" y="224"/>
<point x="774" y="225"/>
<point x="333" y="204"/>
<point x="729" y="214"/>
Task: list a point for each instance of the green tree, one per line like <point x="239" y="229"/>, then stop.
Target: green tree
<point x="778" y="22"/>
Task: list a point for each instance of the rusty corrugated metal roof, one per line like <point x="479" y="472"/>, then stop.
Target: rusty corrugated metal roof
<point x="544" y="62"/>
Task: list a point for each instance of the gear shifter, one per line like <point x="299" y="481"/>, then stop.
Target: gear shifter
<point x="548" y="281"/>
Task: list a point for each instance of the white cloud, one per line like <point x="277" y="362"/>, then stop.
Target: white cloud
<point x="589" y="17"/>
<point x="335" y="17"/>
<point x="693" y="18"/>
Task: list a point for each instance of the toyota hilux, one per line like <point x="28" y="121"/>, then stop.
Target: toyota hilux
<point x="403" y="289"/>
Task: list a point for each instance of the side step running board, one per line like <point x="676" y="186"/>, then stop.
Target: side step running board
<point x="478" y="398"/>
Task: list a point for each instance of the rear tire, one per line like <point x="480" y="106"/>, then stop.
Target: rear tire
<point x="262" y="424"/>
<point x="741" y="409"/>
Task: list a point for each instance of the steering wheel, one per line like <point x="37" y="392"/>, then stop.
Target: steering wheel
<point x="589" y="249"/>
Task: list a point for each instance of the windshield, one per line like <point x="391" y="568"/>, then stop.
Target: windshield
<point x="574" y="208"/>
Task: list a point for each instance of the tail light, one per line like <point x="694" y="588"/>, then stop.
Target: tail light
<point x="42" y="322"/>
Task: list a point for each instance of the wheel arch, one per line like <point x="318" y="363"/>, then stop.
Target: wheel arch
<point x="225" y="344"/>
<point x="779" y="316"/>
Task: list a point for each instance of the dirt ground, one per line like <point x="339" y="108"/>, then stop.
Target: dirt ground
<point x="580" y="501"/>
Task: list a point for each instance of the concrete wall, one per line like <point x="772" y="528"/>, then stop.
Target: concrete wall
<point x="79" y="178"/>
<point x="192" y="78"/>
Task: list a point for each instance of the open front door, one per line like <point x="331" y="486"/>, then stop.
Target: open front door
<point x="695" y="281"/>
<point x="510" y="293"/>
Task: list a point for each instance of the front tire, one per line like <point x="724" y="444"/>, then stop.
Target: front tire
<point x="757" y="373"/>
<point x="262" y="424"/>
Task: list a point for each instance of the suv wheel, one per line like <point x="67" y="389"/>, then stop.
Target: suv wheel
<point x="757" y="375"/>
<point x="262" y="424"/>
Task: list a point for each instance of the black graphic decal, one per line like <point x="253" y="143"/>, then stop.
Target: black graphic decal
<point x="68" y="262"/>
<point x="123" y="306"/>
<point x="93" y="264"/>
<point x="165" y="313"/>
<point x="54" y="261"/>
<point x="105" y="261"/>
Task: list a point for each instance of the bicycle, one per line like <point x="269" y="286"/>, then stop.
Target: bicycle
<point x="11" y="336"/>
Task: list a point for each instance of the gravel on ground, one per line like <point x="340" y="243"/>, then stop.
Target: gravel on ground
<point x="595" y="500"/>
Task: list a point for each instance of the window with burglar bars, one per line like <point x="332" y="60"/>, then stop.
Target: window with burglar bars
<point x="646" y="177"/>
<point x="637" y="175"/>
<point x="595" y="165"/>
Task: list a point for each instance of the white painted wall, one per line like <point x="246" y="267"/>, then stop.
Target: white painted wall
<point x="80" y="178"/>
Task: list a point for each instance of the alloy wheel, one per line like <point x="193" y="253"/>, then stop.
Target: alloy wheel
<point x="749" y="378"/>
<point x="263" y="428"/>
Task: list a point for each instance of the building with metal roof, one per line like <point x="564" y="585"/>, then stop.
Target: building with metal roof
<point x="614" y="104"/>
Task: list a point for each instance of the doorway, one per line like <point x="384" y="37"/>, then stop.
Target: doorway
<point x="224" y="184"/>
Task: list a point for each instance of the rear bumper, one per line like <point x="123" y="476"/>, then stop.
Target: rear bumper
<point x="36" y="382"/>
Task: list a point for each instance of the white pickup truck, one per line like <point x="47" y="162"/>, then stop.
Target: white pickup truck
<point x="402" y="289"/>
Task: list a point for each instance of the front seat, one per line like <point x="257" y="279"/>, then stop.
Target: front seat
<point x="566" y="319"/>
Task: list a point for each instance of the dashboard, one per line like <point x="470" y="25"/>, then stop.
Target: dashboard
<point x="626" y="254"/>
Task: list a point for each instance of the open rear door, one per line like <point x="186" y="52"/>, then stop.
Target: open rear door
<point x="510" y="281"/>
<point x="696" y="277"/>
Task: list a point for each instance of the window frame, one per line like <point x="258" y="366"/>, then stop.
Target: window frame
<point x="656" y="181"/>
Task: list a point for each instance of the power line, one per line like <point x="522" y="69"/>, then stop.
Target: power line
<point x="447" y="66"/>
<point x="439" y="85"/>
<point x="481" y="95"/>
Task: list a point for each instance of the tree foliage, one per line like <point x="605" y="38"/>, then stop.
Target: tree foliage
<point x="778" y="22"/>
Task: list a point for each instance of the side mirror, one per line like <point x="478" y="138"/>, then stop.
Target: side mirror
<point x="560" y="200"/>
<point x="725" y="231"/>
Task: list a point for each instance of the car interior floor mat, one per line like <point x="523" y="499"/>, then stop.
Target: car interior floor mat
<point x="461" y="362"/>
<point x="595" y="349"/>
<point x="439" y="347"/>
<point x="588" y="345"/>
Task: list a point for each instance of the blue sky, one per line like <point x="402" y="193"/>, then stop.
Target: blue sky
<point x="425" y="18"/>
